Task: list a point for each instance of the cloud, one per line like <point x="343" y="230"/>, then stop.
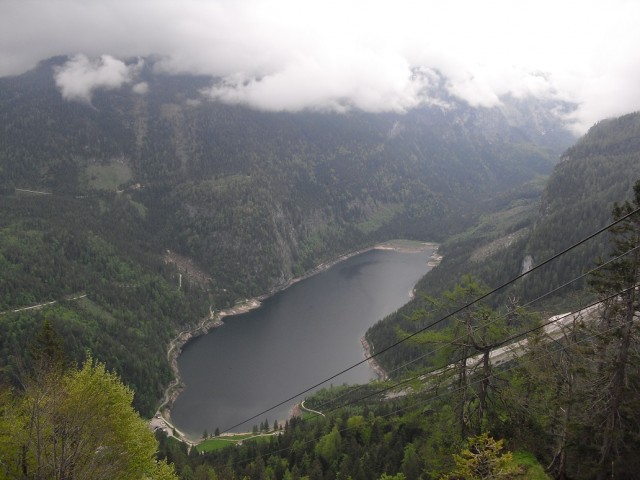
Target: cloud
<point x="141" y="88"/>
<point x="339" y="55"/>
<point x="369" y="81"/>
<point x="79" y="77"/>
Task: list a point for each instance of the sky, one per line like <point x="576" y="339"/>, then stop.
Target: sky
<point x="371" y="55"/>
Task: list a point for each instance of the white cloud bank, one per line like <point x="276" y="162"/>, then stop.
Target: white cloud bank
<point x="141" y="88"/>
<point x="78" y="78"/>
<point x="337" y="55"/>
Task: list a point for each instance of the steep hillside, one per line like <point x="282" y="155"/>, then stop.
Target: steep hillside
<point x="85" y="265"/>
<point x="256" y="197"/>
<point x="136" y="191"/>
<point x="592" y="175"/>
<point x="529" y="225"/>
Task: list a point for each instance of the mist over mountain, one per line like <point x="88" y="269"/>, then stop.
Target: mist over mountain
<point x="301" y="181"/>
<point x="531" y="223"/>
<point x="157" y="203"/>
<point x="277" y="55"/>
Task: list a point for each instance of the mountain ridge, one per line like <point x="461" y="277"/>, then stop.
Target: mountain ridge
<point x="531" y="224"/>
<point x="252" y="198"/>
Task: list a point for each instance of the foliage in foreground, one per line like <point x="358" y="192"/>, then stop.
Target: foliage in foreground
<point x="402" y="440"/>
<point x="482" y="459"/>
<point x="76" y="424"/>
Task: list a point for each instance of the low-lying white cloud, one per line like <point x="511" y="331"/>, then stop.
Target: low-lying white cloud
<point x="141" y="88"/>
<point x="337" y="55"/>
<point x="78" y="78"/>
<point x="369" y="81"/>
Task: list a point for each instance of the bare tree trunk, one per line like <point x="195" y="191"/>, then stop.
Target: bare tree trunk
<point x="558" y="466"/>
<point x="484" y="385"/>
<point x="612" y="426"/>
<point x="462" y="389"/>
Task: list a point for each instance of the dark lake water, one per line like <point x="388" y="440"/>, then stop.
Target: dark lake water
<point x="297" y="338"/>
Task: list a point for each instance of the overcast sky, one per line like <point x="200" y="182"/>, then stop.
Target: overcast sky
<point x="338" y="55"/>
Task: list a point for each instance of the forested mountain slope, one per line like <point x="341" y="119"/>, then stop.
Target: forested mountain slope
<point x="255" y="197"/>
<point x="598" y="171"/>
<point x="564" y="400"/>
<point x="246" y="199"/>
<point x="529" y="225"/>
<point x="113" y="296"/>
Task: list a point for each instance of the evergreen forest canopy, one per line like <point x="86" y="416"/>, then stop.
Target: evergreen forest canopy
<point x="569" y="400"/>
<point x="137" y="213"/>
<point x="529" y="225"/>
<point x="565" y="403"/>
<point x="130" y="217"/>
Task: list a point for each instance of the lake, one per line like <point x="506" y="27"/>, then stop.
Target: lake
<point x="297" y="338"/>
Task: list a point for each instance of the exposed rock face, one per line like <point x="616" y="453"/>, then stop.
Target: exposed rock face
<point x="527" y="264"/>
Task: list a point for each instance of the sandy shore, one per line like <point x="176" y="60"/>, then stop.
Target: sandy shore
<point x="373" y="363"/>
<point x="407" y="246"/>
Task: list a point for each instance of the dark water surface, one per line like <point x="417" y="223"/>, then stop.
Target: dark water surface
<point x="297" y="338"/>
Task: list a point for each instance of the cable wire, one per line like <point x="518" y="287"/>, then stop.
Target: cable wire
<point x="473" y="382"/>
<point x="486" y="324"/>
<point x="436" y="322"/>
<point x="504" y="342"/>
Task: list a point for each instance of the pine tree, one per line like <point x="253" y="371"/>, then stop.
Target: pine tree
<point x="482" y="460"/>
<point x="47" y="350"/>
<point x="617" y="350"/>
<point x="468" y="340"/>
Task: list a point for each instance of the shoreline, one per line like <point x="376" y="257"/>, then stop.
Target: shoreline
<point x="214" y="320"/>
<point x="373" y="363"/>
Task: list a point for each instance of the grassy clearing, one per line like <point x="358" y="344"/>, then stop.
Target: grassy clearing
<point x="214" y="444"/>
<point x="529" y="465"/>
<point x="142" y="210"/>
<point x="96" y="311"/>
<point x="108" y="177"/>
<point x="382" y="216"/>
<point x="218" y="443"/>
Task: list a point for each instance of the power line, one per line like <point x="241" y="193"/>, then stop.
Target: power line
<point x="531" y="302"/>
<point x="474" y="382"/>
<point x="436" y="322"/>
<point x="486" y="324"/>
<point x="504" y="342"/>
<point x="493" y="375"/>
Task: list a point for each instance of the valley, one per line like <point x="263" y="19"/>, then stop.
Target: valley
<point x="299" y="336"/>
<point x="244" y="200"/>
<point x="219" y="260"/>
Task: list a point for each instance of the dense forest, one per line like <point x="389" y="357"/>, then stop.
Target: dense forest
<point x="130" y="219"/>
<point x="112" y="297"/>
<point x="564" y="405"/>
<point x="136" y="214"/>
<point x="533" y="222"/>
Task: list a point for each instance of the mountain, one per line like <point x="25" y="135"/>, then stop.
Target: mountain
<point x="137" y="211"/>
<point x="597" y="172"/>
<point x="529" y="224"/>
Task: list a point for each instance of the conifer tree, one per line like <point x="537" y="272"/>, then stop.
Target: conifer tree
<point x="468" y="340"/>
<point x="614" y="399"/>
<point x="483" y="459"/>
